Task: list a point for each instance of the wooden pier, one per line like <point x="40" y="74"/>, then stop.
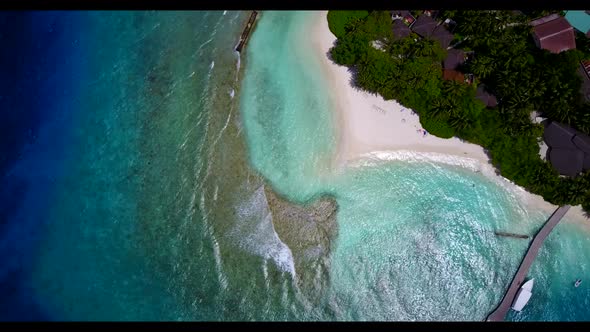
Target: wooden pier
<point x="500" y="313"/>
<point x="247" y="31"/>
<point x="518" y="236"/>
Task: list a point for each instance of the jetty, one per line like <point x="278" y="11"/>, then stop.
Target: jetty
<point x="500" y="313"/>
<point x="247" y="31"/>
<point x="518" y="236"/>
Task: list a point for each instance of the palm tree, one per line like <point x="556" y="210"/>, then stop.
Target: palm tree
<point x="518" y="100"/>
<point x="440" y="107"/>
<point x="582" y="118"/>
<point x="536" y="87"/>
<point x="565" y="114"/>
<point x="574" y="191"/>
<point x="481" y="66"/>
<point x="424" y="48"/>
<point x="363" y="77"/>
<point x="460" y="121"/>
<point x="353" y="25"/>
<point x="468" y="24"/>
<point x="454" y="89"/>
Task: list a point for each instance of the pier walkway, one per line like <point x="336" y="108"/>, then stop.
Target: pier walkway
<point x="500" y="313"/>
<point x="247" y="31"/>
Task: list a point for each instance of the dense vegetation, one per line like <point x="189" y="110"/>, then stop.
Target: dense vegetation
<point x="523" y="77"/>
<point x="337" y="19"/>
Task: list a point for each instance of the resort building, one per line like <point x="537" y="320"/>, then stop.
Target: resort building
<point x="431" y="13"/>
<point x="400" y="30"/>
<point x="404" y="15"/>
<point x="451" y="74"/>
<point x="486" y="97"/>
<point x="449" y="24"/>
<point x="443" y="36"/>
<point x="569" y="149"/>
<point x="553" y="33"/>
<point x="579" y="19"/>
<point x="454" y="59"/>
<point x="424" y="26"/>
<point x="427" y="27"/>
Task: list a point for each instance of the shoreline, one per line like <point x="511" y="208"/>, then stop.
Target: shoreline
<point x="370" y="128"/>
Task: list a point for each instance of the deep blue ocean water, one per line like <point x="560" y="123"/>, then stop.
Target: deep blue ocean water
<point x="39" y="63"/>
<point x="94" y="105"/>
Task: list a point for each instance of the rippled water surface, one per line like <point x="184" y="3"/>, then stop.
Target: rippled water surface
<point x="135" y="188"/>
<point x="416" y="238"/>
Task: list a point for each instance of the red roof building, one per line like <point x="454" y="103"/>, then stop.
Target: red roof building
<point x="451" y="74"/>
<point x="554" y="34"/>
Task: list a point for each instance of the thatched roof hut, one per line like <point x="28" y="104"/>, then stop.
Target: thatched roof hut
<point x="569" y="149"/>
<point x="568" y="162"/>
<point x="424" y="26"/>
<point x="443" y="36"/>
<point x="582" y="141"/>
<point x="400" y="30"/>
<point x="454" y="59"/>
<point x="558" y="135"/>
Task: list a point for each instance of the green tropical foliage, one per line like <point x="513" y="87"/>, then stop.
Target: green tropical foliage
<point x="523" y="77"/>
<point x="338" y="20"/>
<point x="437" y="128"/>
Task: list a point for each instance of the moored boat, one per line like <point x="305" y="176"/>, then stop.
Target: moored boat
<point x="523" y="295"/>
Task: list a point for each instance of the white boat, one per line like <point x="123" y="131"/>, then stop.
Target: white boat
<point x="523" y="295"/>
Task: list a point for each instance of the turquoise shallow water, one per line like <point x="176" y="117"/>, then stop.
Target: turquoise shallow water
<point x="415" y="240"/>
<point x="283" y="95"/>
<point x="133" y="200"/>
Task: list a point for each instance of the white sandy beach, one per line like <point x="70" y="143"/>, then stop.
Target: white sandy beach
<point x="372" y="128"/>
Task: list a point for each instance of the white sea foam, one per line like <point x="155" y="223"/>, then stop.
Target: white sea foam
<point x="209" y="73"/>
<point x="216" y="252"/>
<point x="255" y="232"/>
<point x="372" y="158"/>
<point x="232" y="93"/>
<point x="265" y="269"/>
<point x="238" y="65"/>
<point x="203" y="44"/>
<point x="223" y="129"/>
<point x="183" y="144"/>
<point x="435" y="159"/>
